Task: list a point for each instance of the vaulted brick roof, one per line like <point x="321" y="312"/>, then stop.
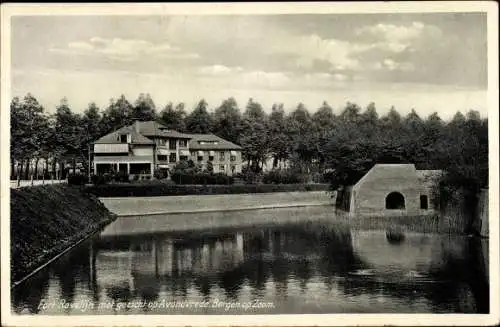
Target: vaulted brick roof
<point x="397" y="170"/>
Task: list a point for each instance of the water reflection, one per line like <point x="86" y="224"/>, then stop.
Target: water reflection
<point x="307" y="267"/>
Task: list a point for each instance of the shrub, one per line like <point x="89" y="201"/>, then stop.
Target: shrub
<point x="77" y="179"/>
<point x="121" y="176"/>
<point x="99" y="179"/>
<point x="160" y="174"/>
<point x="282" y="177"/>
<point x="251" y="177"/>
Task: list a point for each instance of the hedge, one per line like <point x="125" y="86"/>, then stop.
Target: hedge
<point x="163" y="189"/>
<point x="282" y="177"/>
<point x="202" y="178"/>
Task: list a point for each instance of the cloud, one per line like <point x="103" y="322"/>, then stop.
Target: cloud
<point x="265" y="79"/>
<point x="313" y="47"/>
<point x="238" y="77"/>
<point x="217" y="70"/>
<point x="395" y="33"/>
<point x="392" y="65"/>
<point x="358" y="55"/>
<point x="398" y="38"/>
<point x="124" y="49"/>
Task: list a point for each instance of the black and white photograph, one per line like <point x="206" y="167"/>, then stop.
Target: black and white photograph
<point x="234" y="163"/>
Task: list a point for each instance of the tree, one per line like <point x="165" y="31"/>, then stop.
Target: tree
<point x="173" y="118"/>
<point x="70" y="134"/>
<point x="199" y="120"/>
<point x="369" y="118"/>
<point x="91" y="130"/>
<point x="280" y="144"/>
<point x="227" y="121"/>
<point x="323" y="128"/>
<point x="413" y="129"/>
<point x="255" y="137"/>
<point x="119" y="113"/>
<point x="28" y="120"/>
<point x="301" y="131"/>
<point x="350" y="114"/>
<point x="144" y="108"/>
<point x="16" y="136"/>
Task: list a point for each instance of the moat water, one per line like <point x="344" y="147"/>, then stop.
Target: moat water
<point x="301" y="267"/>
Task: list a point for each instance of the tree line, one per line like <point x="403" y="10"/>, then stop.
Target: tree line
<point x="338" y="147"/>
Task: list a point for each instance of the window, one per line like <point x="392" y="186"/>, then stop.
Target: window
<point x="123" y="138"/>
<point x="222" y="156"/>
<point x="183" y="158"/>
<point x="233" y="158"/>
<point x="210" y="158"/>
<point x="183" y="143"/>
<point x="395" y="200"/>
<point x="173" y="157"/>
<point x="233" y="169"/>
<point x="424" y="203"/>
<point x="205" y="142"/>
<point x="162" y="157"/>
<point x="162" y="142"/>
<point x="222" y="167"/>
<point x="172" y="144"/>
<point x="200" y="158"/>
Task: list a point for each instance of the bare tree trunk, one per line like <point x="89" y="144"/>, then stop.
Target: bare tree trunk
<point x="19" y="172"/>
<point x="53" y="175"/>
<point x="37" y="161"/>
<point x="45" y="169"/>
<point x="12" y="168"/>
<point x="62" y="166"/>
<point x="27" y="171"/>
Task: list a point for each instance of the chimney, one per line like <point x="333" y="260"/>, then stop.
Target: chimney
<point x="136" y="126"/>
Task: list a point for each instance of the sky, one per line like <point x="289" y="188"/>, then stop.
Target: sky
<point x="426" y="61"/>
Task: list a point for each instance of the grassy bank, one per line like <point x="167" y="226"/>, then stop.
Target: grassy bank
<point x="46" y="220"/>
<point x="163" y="189"/>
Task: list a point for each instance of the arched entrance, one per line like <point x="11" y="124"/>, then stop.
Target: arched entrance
<point x="395" y="200"/>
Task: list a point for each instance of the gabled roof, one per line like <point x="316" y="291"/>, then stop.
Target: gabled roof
<point x="114" y="137"/>
<point x="153" y="128"/>
<point x="194" y="143"/>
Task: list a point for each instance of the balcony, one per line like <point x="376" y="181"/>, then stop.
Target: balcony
<point x="111" y="148"/>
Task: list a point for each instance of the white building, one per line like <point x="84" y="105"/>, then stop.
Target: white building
<point x="144" y="146"/>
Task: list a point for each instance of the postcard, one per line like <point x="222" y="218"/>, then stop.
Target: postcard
<point x="250" y="164"/>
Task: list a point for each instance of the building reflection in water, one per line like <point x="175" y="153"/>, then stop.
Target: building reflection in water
<point x="227" y="260"/>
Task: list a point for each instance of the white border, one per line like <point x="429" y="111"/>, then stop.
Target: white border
<point x="9" y="10"/>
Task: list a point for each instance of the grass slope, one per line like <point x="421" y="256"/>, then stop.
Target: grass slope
<point x="46" y="220"/>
